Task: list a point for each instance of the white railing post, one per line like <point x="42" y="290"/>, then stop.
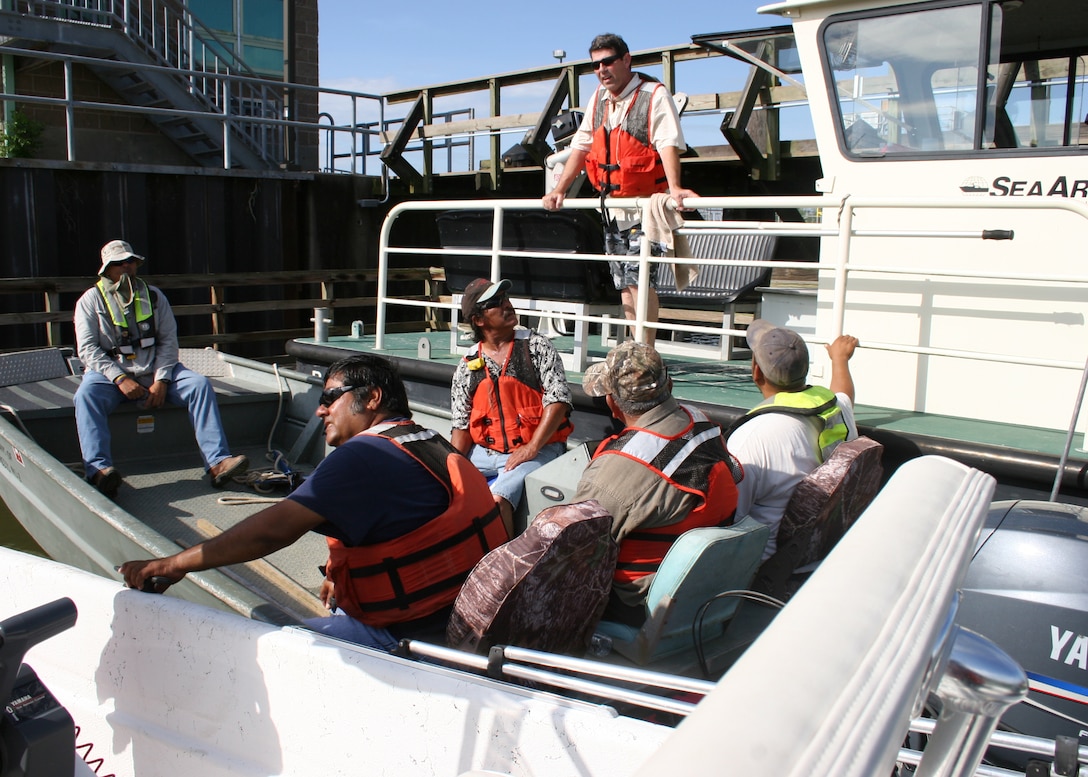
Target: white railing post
<point x="226" y="123"/>
<point x="980" y="682"/>
<point x="838" y="310"/>
<point x="69" y="111"/>
<point x="496" y="242"/>
<point x="642" y="298"/>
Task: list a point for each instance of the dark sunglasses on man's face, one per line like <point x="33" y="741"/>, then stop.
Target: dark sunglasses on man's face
<point x="328" y="396"/>
<point x="494" y="302"/>
<point x="130" y="260"/>
<point x="606" y="61"/>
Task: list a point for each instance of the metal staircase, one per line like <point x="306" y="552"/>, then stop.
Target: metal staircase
<point x="188" y="78"/>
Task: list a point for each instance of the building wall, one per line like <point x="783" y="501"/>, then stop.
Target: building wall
<point x="107" y="136"/>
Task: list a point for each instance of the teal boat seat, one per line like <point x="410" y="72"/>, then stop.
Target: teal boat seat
<point x="701" y="564"/>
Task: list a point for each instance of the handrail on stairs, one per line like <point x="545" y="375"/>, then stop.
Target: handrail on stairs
<point x="169" y="33"/>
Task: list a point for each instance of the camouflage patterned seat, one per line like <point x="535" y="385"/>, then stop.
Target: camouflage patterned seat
<point x="824" y="505"/>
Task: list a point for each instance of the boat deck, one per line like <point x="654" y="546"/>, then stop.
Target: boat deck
<point x="165" y="486"/>
<point x="172" y="495"/>
<point x="1023" y="458"/>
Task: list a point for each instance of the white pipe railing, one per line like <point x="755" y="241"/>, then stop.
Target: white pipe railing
<point x="839" y="265"/>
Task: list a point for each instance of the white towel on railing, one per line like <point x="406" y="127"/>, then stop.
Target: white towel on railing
<point x="659" y="226"/>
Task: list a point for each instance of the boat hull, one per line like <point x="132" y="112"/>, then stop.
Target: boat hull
<point x="167" y="687"/>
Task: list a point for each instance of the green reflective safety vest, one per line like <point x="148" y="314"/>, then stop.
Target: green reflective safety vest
<point x="144" y="312"/>
<point x="815" y="403"/>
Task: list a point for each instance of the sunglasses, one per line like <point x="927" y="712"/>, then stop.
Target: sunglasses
<point x="494" y="302"/>
<point x="328" y="396"/>
<point x="129" y="260"/>
<point x="607" y="61"/>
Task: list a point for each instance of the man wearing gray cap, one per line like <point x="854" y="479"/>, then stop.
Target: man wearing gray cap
<point x="127" y="339"/>
<point x="667" y="471"/>
<point x="796" y="426"/>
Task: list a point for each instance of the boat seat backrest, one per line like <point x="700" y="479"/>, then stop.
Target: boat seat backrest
<point x="545" y="589"/>
<point x="824" y="505"/>
<point x="720" y="283"/>
<point x="701" y="564"/>
<point x="30" y="366"/>
<point x="573" y="232"/>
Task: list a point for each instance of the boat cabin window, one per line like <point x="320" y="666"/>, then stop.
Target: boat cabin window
<point x="977" y="78"/>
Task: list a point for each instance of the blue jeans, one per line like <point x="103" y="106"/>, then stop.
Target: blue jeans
<point x="343" y="626"/>
<point x="510" y="484"/>
<point x="97" y="397"/>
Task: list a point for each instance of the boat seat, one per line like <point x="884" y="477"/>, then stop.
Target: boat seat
<point x="824" y="505"/>
<point x="728" y="289"/>
<point x="701" y="564"/>
<point x="542" y="590"/>
<point x="575" y="232"/>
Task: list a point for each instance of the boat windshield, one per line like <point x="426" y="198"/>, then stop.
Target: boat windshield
<point x="977" y="78"/>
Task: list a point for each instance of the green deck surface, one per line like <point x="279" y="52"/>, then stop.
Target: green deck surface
<point x="729" y="384"/>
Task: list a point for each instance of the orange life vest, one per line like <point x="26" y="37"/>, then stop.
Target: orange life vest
<point x="696" y="461"/>
<point x="508" y="408"/>
<point x="622" y="162"/>
<point x="419" y="573"/>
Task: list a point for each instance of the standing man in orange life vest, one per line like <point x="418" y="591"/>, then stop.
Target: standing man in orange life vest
<point x="629" y="143"/>
<point x="405" y="515"/>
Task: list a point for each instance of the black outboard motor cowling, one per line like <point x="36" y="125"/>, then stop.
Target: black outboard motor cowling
<point x="1027" y="590"/>
<point x="37" y="735"/>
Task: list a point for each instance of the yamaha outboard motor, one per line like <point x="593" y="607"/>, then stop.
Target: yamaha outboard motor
<point x="1027" y="590"/>
<point x="37" y="735"/>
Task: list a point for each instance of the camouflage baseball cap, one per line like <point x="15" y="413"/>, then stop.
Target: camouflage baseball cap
<point x="632" y="371"/>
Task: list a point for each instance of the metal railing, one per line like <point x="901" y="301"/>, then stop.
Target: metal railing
<point x="339" y="289"/>
<point x="168" y="33"/>
<point x="253" y="124"/>
<point x="840" y="262"/>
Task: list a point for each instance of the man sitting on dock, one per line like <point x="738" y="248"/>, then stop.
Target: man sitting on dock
<point x="127" y="339"/>
<point x="510" y="400"/>
<point x="795" y="428"/>
<point x="406" y="516"/>
<point x="667" y="471"/>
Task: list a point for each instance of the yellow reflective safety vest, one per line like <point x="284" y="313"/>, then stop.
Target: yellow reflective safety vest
<point x="144" y="312"/>
<point x="815" y="403"/>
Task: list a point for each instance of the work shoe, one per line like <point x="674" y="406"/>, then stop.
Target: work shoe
<point x="107" y="481"/>
<point x="222" y="472"/>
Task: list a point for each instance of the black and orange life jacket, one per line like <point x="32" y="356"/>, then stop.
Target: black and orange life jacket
<point x="419" y="573"/>
<point x="507" y="408"/>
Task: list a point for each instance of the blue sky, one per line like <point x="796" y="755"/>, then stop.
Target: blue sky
<point x="383" y="47"/>
<point x="379" y="47"/>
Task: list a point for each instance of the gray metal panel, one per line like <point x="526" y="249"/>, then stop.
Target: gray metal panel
<point x="30" y="366"/>
<point x="725" y="283"/>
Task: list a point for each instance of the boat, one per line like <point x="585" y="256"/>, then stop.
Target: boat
<point x="943" y="227"/>
<point x="156" y="684"/>
<point x="165" y="502"/>
<point x="996" y="300"/>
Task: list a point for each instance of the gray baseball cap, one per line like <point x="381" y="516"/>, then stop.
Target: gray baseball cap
<point x="780" y="353"/>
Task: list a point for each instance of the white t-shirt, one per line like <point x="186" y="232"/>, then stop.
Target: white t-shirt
<point x="777" y="451"/>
